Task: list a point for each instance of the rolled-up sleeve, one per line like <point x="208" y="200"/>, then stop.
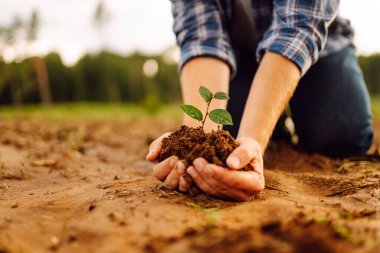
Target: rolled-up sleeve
<point x="199" y="31"/>
<point x="299" y="30"/>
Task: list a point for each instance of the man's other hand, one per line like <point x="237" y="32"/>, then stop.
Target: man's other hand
<point x="171" y="171"/>
<point x="229" y="183"/>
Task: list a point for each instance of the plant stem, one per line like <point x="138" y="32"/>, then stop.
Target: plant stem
<point x="204" y="120"/>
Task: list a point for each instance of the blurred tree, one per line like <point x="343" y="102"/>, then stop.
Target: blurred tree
<point x="8" y="38"/>
<point x="61" y="78"/>
<point x="370" y="66"/>
<point x="134" y="74"/>
<point x="85" y="80"/>
<point x="101" y="15"/>
<point x="27" y="76"/>
<point x="39" y="64"/>
<point x="9" y="33"/>
<point x="3" y="65"/>
<point x="31" y="32"/>
<point x="100" y="19"/>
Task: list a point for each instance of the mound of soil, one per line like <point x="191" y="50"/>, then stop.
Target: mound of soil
<point x="189" y="143"/>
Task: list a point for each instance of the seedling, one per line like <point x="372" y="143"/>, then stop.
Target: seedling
<point x="219" y="116"/>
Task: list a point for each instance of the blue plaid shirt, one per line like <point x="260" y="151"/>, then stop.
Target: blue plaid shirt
<point x="300" y="30"/>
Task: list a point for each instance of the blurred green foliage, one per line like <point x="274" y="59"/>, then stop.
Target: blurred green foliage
<point x="376" y="106"/>
<point x="371" y="71"/>
<point x="112" y="78"/>
<point x="101" y="77"/>
<point x="88" y="111"/>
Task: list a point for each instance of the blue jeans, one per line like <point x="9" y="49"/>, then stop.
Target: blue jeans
<point x="330" y="107"/>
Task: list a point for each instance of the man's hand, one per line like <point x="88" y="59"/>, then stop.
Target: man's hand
<point x="227" y="182"/>
<point x="171" y="171"/>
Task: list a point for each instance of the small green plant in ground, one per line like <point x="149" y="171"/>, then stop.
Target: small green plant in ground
<point x="212" y="217"/>
<point x="321" y="219"/>
<point x="344" y="232"/>
<point x="219" y="116"/>
<point x="349" y="166"/>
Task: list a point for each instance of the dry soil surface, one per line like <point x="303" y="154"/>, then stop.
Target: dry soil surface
<point x="84" y="186"/>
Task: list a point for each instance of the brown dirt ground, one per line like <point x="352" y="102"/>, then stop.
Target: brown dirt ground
<point x="83" y="186"/>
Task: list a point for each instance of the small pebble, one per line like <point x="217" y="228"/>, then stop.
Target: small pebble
<point x="54" y="241"/>
<point x="91" y="207"/>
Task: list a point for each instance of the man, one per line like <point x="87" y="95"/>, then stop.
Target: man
<point x="302" y="55"/>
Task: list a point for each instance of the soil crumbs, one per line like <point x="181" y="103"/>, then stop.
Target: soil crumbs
<point x="84" y="186"/>
<point x="189" y="143"/>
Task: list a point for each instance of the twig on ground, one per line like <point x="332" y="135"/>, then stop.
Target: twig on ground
<point x="355" y="187"/>
<point x="275" y="188"/>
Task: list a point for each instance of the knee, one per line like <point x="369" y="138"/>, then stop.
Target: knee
<point x="342" y="142"/>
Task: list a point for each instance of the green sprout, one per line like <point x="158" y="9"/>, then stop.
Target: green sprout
<point x="219" y="116"/>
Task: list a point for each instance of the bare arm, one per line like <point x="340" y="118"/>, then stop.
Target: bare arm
<point x="206" y="71"/>
<point x="209" y="72"/>
<point x="272" y="88"/>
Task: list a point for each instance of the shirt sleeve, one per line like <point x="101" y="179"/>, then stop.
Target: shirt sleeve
<point x="299" y="30"/>
<point x="198" y="26"/>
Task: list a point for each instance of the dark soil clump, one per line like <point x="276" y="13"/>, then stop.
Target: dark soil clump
<point x="190" y="143"/>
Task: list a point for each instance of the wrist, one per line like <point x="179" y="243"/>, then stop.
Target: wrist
<point x="251" y="141"/>
<point x="257" y="141"/>
<point x="272" y="88"/>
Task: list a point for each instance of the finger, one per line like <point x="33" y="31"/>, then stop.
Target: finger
<point x="221" y="189"/>
<point x="247" y="181"/>
<point x="185" y="182"/>
<point x="242" y="155"/>
<point x="224" y="190"/>
<point x="155" y="147"/>
<point x="161" y="170"/>
<point x="172" y="180"/>
<point x="202" y="184"/>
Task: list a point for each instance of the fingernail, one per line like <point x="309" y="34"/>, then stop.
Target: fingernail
<point x="169" y="183"/>
<point x="150" y="153"/>
<point x="191" y="171"/>
<point x="181" y="183"/>
<point x="181" y="167"/>
<point x="199" y="165"/>
<point x="172" y="162"/>
<point x="234" y="161"/>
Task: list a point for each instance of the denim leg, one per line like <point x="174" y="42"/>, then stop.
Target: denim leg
<point x="331" y="107"/>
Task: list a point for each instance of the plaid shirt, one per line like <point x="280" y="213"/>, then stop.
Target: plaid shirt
<point x="300" y="30"/>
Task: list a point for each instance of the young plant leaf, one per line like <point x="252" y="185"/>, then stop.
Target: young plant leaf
<point x="221" y="116"/>
<point x="205" y="93"/>
<point x="221" y="96"/>
<point x="192" y="112"/>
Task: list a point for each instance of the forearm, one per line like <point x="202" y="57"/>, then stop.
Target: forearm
<point x="211" y="73"/>
<point x="271" y="90"/>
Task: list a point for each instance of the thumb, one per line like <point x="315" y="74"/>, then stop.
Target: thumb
<point x="155" y="148"/>
<point x="243" y="154"/>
